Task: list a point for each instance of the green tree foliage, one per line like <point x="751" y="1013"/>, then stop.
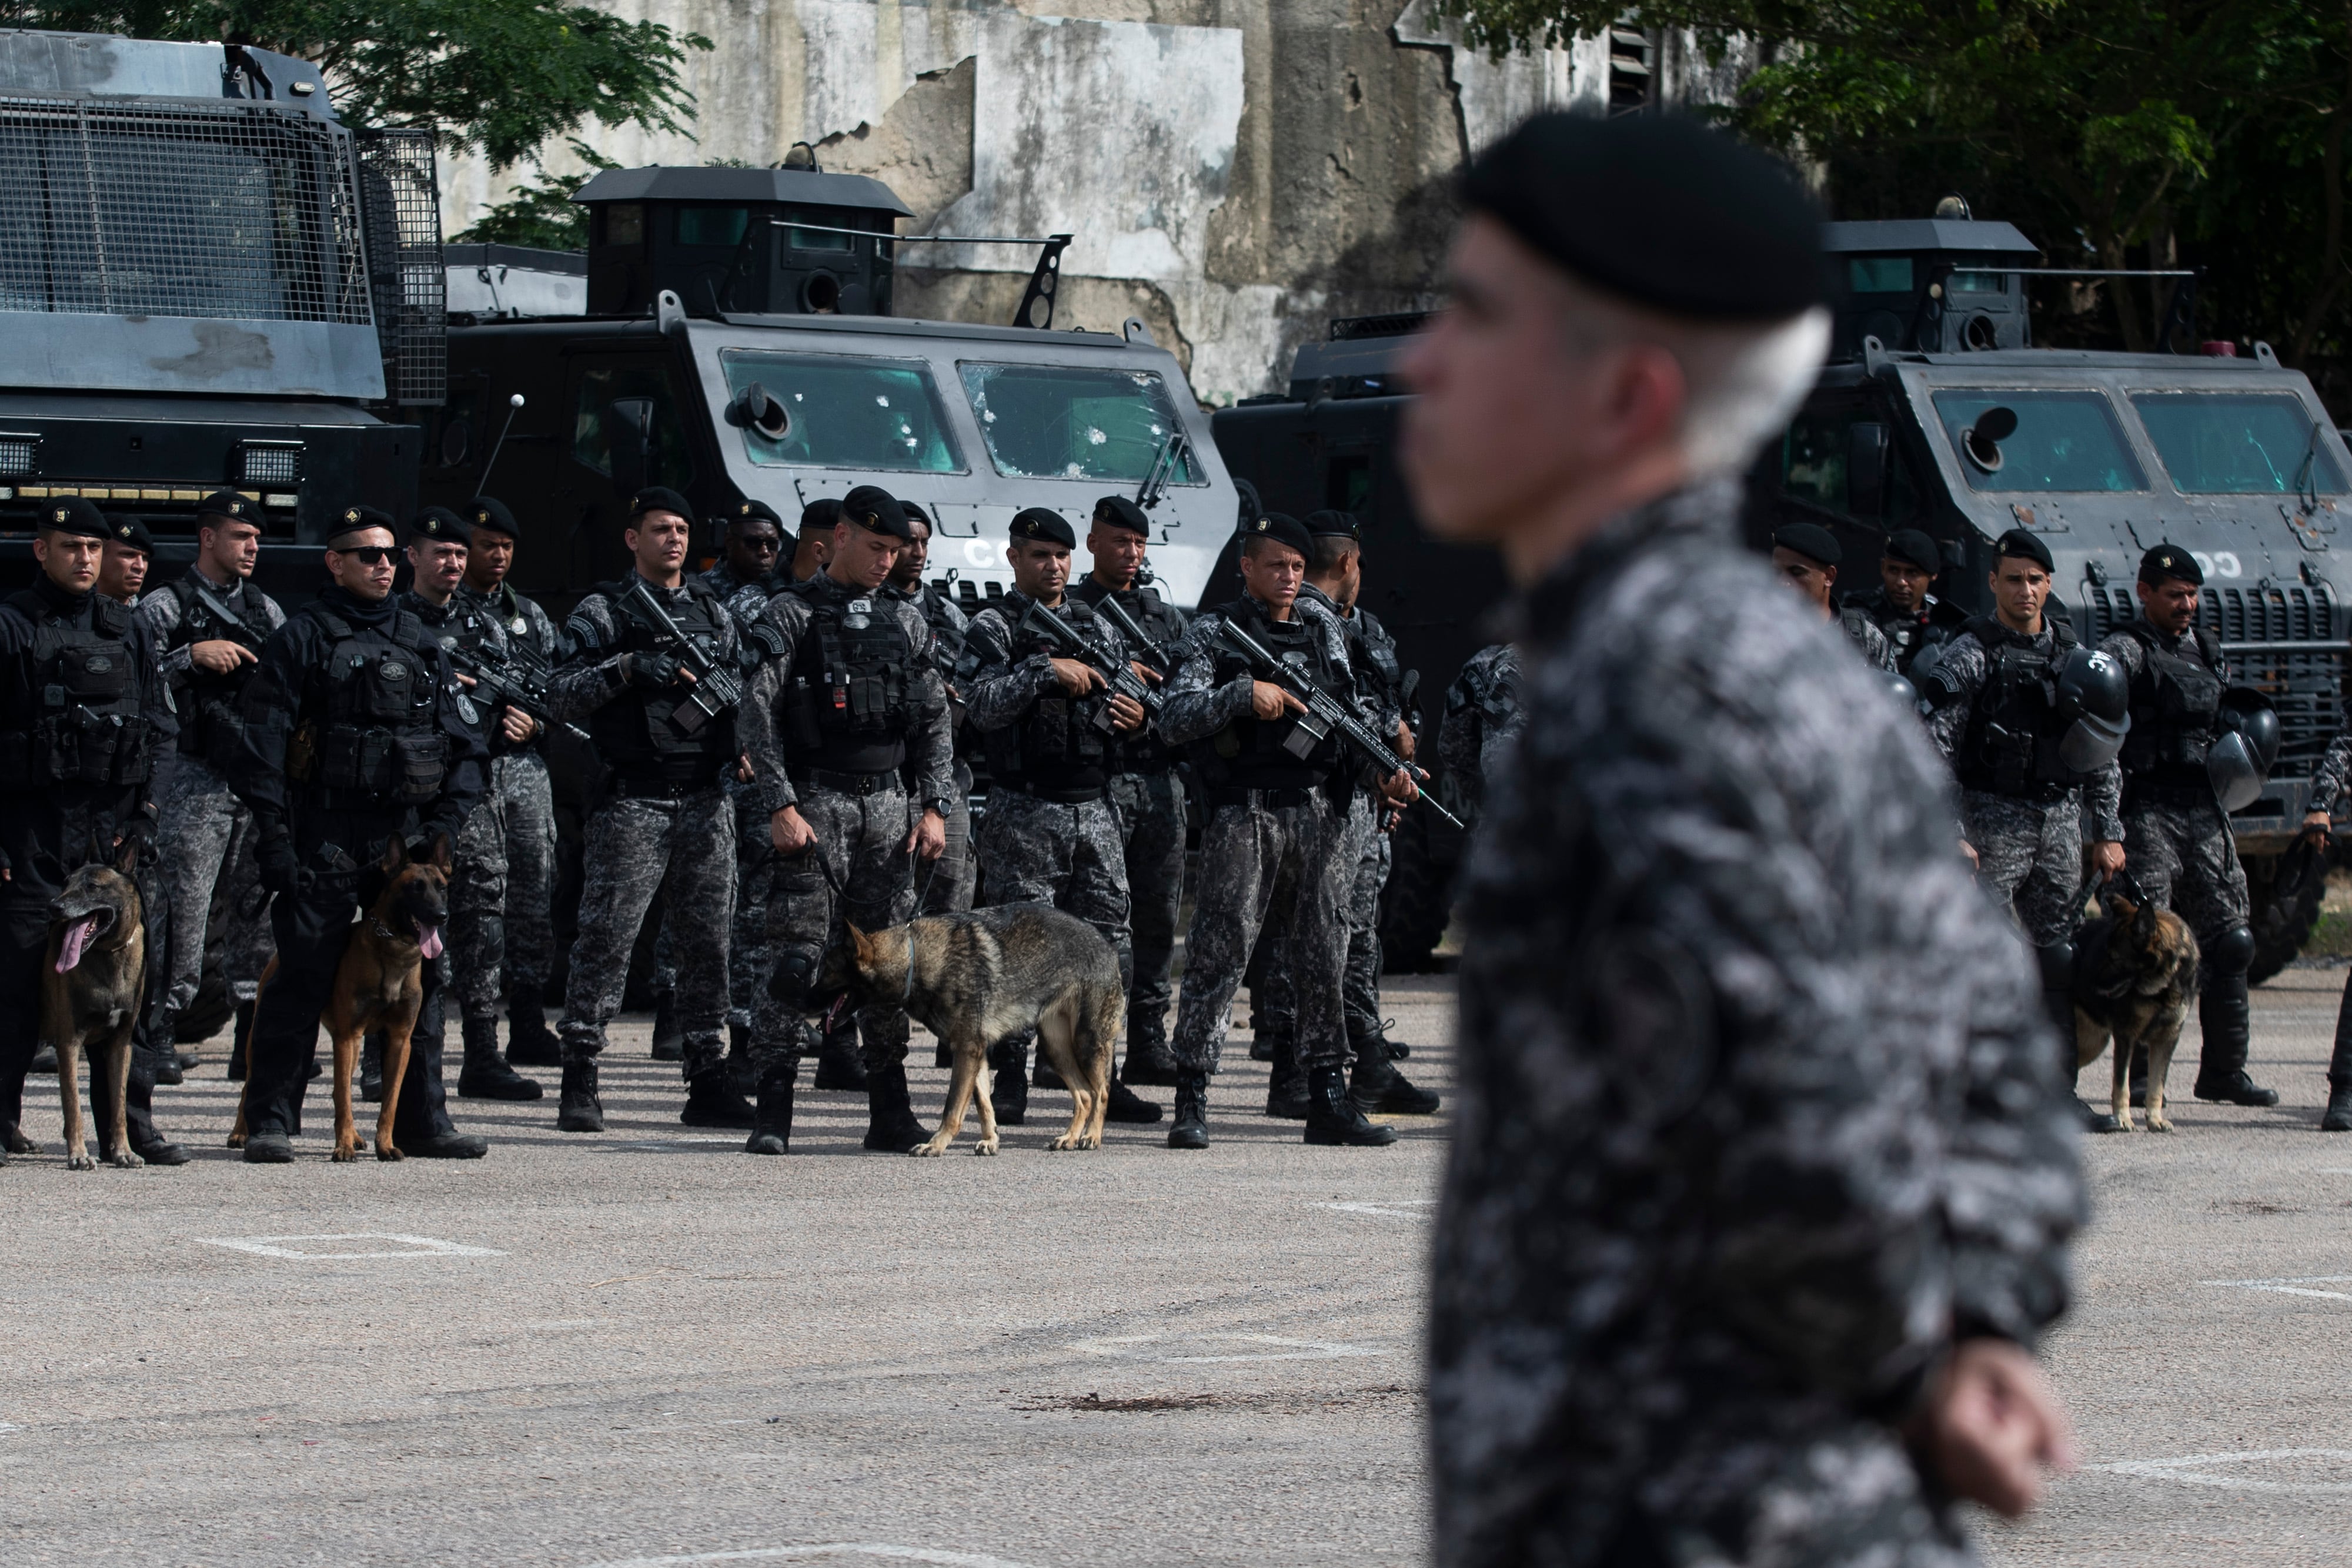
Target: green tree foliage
<point x="2114" y="133"/>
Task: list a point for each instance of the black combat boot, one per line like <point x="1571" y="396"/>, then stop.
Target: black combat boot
<point x="1008" y="1093"/>
<point x="838" y="1065"/>
<point x="1286" y="1086"/>
<point x="13" y="1140"/>
<point x="578" y="1110"/>
<point x="712" y="1101"/>
<point x="1043" y="1076"/>
<point x="164" y="1058"/>
<point x="741" y="1074"/>
<point x="45" y="1059"/>
<point x="240" y="1041"/>
<point x="1149" y="1064"/>
<point x="1190" y="1130"/>
<point x="2338" y="1118"/>
<point x="669" y="1035"/>
<point x="772" y="1118"/>
<point x="529" y="1042"/>
<point x="1334" y="1117"/>
<point x="1128" y="1106"/>
<point x="371" y="1067"/>
<point x="485" y="1075"/>
<point x="1379" y="1087"/>
<point x="2227" y="1019"/>
<point x="268" y="1149"/>
<point x="890" y="1125"/>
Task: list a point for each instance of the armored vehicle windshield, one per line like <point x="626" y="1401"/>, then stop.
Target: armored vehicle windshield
<point x="2060" y="441"/>
<point x="1066" y="422"/>
<point x="2237" y="444"/>
<point x="847" y="412"/>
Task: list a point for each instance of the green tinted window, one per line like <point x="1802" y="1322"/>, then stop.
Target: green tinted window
<point x="2065" y="441"/>
<point x="595" y="428"/>
<point x="712" y="225"/>
<point x="2217" y="443"/>
<point x="848" y="412"/>
<point x="1879" y="274"/>
<point x="1815" y="452"/>
<point x="1058" y="422"/>
<point x="1977" y="283"/>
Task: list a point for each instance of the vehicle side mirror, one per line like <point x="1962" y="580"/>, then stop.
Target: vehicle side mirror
<point x="753" y="409"/>
<point x="629" y="440"/>
<point x="1865" y="470"/>
<point x="1981" y="441"/>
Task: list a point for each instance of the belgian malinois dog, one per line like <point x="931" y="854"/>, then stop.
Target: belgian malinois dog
<point x="978" y="978"/>
<point x="2134" y="970"/>
<point x="380" y="985"/>
<point x="90" y="997"/>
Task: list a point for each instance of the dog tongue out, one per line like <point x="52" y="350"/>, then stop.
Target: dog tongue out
<point x="77" y="937"/>
<point x="428" y="939"/>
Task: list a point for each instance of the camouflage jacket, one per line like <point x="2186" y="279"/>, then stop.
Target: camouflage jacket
<point x="1950" y="696"/>
<point x="1759" y="1110"/>
<point x="1003" y="687"/>
<point x="1197" y="705"/>
<point x="2334" y="776"/>
<point x="1481" y="713"/>
<point x="1877" y="648"/>
<point x="746" y="599"/>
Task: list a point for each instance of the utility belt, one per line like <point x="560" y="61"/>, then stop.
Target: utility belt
<point x="653" y="787"/>
<point x="1075" y="796"/>
<point x="855" y="784"/>
<point x="2140" y="792"/>
<point x="1271" y="799"/>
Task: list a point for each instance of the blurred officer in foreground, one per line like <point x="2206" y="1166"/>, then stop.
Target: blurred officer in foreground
<point x="352" y="733"/>
<point x="1806" y="555"/>
<point x="2329" y="785"/>
<point x="2177" y="837"/>
<point x="1753" y="1217"/>
<point x="1913" y="618"/>
<point x="84" y="712"/>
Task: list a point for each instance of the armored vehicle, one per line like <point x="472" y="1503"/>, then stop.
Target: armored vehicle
<point x="207" y="281"/>
<point x="734" y="341"/>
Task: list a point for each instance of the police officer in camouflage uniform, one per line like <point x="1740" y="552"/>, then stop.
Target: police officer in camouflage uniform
<point x="1054" y="735"/>
<point x="1998" y="710"/>
<point x="1806" y="555"/>
<point x="952" y="880"/>
<point x="836" y="725"/>
<point x="2329" y="785"/>
<point x="1483" y="715"/>
<point x="1903" y="606"/>
<point x="439" y="545"/>
<point x="353" y="735"/>
<point x="84" y="712"/>
<point x="2177" y="839"/>
<point x="130" y="552"/>
<point x="1146" y="791"/>
<point x="668" y="827"/>
<point x="1763" y="1168"/>
<point x="1279" y="837"/>
<point x="206" y="835"/>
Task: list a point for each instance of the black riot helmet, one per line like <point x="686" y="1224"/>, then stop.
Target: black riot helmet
<point x="2240" y="759"/>
<point x="2093" y="688"/>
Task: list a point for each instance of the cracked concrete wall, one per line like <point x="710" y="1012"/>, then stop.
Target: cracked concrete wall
<point x="1238" y="172"/>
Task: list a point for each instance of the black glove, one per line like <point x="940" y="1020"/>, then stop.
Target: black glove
<point x="276" y="864"/>
<point x="650" y="671"/>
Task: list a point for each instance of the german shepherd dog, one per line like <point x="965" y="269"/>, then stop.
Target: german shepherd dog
<point x="380" y="985"/>
<point x="978" y="978"/>
<point x="90" y="996"/>
<point x="2134" y="970"/>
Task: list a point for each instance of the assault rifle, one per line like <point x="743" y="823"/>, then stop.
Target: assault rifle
<point x="716" y="689"/>
<point x="1324" y="713"/>
<point x="233" y="626"/>
<point x="1124" y="681"/>
<point x="510" y="682"/>
<point x="1160" y="657"/>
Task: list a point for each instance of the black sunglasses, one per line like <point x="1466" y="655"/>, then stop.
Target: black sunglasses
<point x="372" y="555"/>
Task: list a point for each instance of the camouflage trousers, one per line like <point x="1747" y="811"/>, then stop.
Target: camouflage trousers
<point x="1070" y="856"/>
<point x="2185" y="859"/>
<point x="499" y="937"/>
<point x="637" y="849"/>
<point x="1292" y="864"/>
<point x="2030" y="859"/>
<point x="1273" y="1005"/>
<point x="750" y="958"/>
<point x="206" y="836"/>
<point x="1152" y="822"/>
<point x="857" y="869"/>
<point x="952" y="883"/>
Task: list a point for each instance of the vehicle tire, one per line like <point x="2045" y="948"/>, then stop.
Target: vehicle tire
<point x="2284" y="892"/>
<point x="1418" y="901"/>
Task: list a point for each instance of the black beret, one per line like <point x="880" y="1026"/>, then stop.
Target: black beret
<point x="1329" y="524"/>
<point x="440" y="526"/>
<point x="659" y="499"/>
<point x="1658" y="209"/>
<point x="1810" y="540"/>
<point x="1914" y="548"/>
<point x="2017" y="542"/>
<point x="2170" y="563"/>
<point x="755" y="511"/>
<point x="1045" y="525"/>
<point x="358" y="521"/>
<point x="131" y="532"/>
<point x="490" y="512"/>
<point x="75" y="515"/>
<point x="819" y="516"/>
<point x="1118" y="512"/>
<point x="1283" y="531"/>
<point x="229" y="504"/>
<point x="876" y="510"/>
<point x="916" y="513"/>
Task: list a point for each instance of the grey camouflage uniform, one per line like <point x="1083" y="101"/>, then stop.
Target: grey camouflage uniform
<point x="2333" y="778"/>
<point x="1298" y="859"/>
<point x="748" y="959"/>
<point x="1876" y="647"/>
<point x="859" y="868"/>
<point x="2029" y="852"/>
<point x="1733" y="1167"/>
<point x="1483" y="715"/>
<point x="502" y="937"/>
<point x="636" y="849"/>
<point x="2184" y="857"/>
<point x="206" y="833"/>
<point x="954" y="879"/>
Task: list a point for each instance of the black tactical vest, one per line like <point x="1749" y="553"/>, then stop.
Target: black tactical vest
<point x="1249" y="753"/>
<point x="87" y="725"/>
<point x="634" y="733"/>
<point x="1144" y="751"/>
<point x="1058" y="750"/>
<point x="847" y="708"/>
<point x="2010" y="745"/>
<point x="368" y="736"/>
<point x="2176" y="704"/>
<point x="212" y="726"/>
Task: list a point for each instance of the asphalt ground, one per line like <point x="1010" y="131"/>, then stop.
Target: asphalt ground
<point x="649" y="1347"/>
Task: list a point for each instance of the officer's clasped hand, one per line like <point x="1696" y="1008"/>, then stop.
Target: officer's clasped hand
<point x="276" y="864"/>
<point x="649" y="672"/>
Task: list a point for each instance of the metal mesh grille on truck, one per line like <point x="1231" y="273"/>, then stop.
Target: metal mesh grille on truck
<point x="403" y="213"/>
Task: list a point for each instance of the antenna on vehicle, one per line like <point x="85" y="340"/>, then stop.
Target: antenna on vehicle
<point x="514" y="406"/>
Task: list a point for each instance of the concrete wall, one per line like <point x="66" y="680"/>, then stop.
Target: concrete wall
<point x="1237" y="172"/>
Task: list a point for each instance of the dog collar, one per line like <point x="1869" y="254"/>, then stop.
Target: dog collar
<point x="388" y="934"/>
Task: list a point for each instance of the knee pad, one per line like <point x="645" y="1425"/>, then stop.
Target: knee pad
<point x="2231" y="953"/>
<point x="2057" y="962"/>
<point x="794" y="979"/>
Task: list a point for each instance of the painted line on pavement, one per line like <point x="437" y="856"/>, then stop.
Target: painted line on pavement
<point x="2196" y="1470"/>
<point x="411" y="1245"/>
<point x="1130" y="1347"/>
<point x="856" y="1548"/>
<point x="2295" y="1286"/>
<point x="1387" y="1209"/>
